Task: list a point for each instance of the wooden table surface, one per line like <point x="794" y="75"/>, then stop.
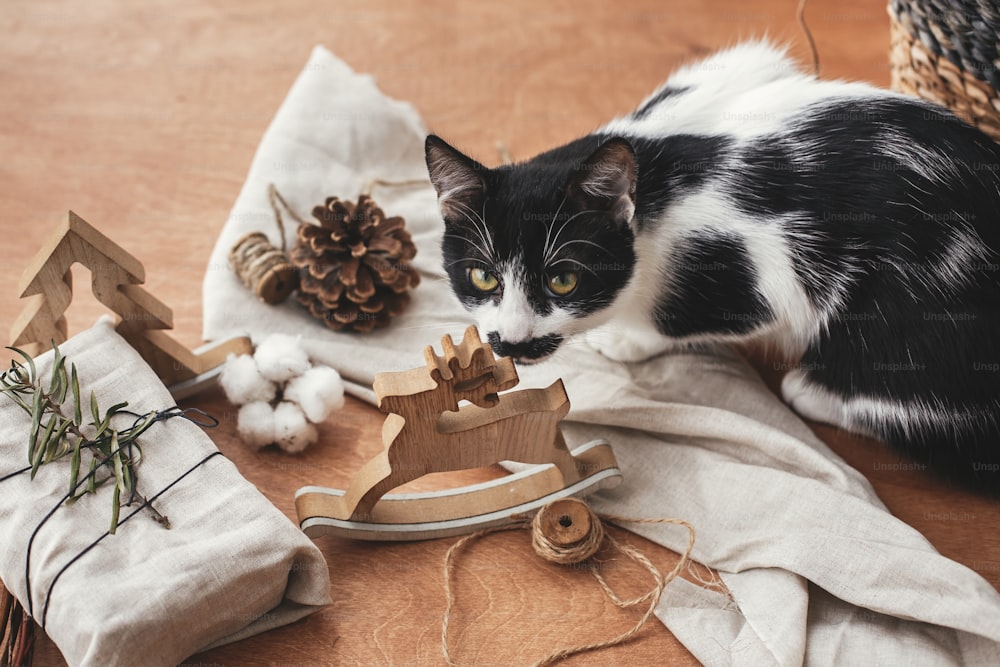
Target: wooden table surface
<point x="143" y="118"/>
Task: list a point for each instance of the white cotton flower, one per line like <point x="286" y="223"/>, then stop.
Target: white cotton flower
<point x="292" y="432"/>
<point x="242" y="381"/>
<point x="281" y="357"/>
<point x="255" y="423"/>
<point x="318" y="392"/>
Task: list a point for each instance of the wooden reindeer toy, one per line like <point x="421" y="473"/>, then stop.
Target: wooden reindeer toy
<point x="429" y="429"/>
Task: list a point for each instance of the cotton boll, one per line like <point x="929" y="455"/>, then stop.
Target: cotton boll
<point x="255" y="423"/>
<point x="242" y="381"/>
<point x="293" y="433"/>
<point x="281" y="357"/>
<point x="318" y="392"/>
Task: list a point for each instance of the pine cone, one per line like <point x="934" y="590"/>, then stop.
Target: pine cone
<point x="353" y="265"/>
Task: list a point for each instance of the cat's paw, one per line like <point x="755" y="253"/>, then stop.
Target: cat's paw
<point x="619" y="346"/>
<point x="815" y="403"/>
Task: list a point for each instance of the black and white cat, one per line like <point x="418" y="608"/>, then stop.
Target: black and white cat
<point x="853" y="229"/>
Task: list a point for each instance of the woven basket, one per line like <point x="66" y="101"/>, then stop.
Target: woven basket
<point x="946" y="51"/>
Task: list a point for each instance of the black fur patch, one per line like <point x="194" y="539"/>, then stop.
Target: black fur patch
<point x="534" y="349"/>
<point x="858" y="207"/>
<point x="713" y="289"/>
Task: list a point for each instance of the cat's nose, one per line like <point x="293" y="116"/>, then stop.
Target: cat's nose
<point x="534" y="349"/>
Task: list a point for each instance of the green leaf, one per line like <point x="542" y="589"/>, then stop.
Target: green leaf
<point x="30" y="362"/>
<point x="36" y="424"/>
<point x="63" y="384"/>
<point x="95" y="409"/>
<point x="49" y="442"/>
<point x="116" y="459"/>
<point x="64" y="447"/>
<point x="142" y="425"/>
<point x="58" y="361"/>
<point x="115" y="508"/>
<point x="129" y="478"/>
<point x="74" y="466"/>
<point x="77" y="407"/>
<point x="36" y="458"/>
<point x="91" y="479"/>
<point x="116" y="408"/>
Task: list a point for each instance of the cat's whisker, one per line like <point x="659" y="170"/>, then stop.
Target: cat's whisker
<point x="583" y="241"/>
<point x="577" y="263"/>
<point x="548" y="254"/>
<point x="479" y="226"/>
<point x="487" y="258"/>
<point x="548" y="230"/>
<point x="467" y="259"/>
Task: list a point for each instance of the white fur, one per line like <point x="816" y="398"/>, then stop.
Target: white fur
<point x="512" y="318"/>
<point x="963" y="258"/>
<point x="745" y="92"/>
<point x="924" y="160"/>
<point x="812" y="402"/>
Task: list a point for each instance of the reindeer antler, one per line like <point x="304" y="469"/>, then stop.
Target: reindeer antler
<point x="470" y="369"/>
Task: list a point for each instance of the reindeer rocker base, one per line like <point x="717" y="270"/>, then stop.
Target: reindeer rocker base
<point x="427" y="431"/>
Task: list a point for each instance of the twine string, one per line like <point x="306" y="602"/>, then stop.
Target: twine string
<point x="384" y="183"/>
<point x="275" y="198"/>
<point x="800" y="15"/>
<point x="577" y="553"/>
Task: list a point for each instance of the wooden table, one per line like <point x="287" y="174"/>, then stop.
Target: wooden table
<point x="143" y="118"/>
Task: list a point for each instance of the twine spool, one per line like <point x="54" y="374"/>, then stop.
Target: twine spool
<point x="263" y="268"/>
<point x="566" y="532"/>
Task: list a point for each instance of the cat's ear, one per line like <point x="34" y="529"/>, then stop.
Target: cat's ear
<point x="456" y="177"/>
<point x="606" y="180"/>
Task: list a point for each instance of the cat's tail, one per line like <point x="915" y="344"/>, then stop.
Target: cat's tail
<point x="960" y="442"/>
<point x="971" y="459"/>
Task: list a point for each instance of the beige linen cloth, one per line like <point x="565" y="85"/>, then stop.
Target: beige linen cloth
<point x="819" y="572"/>
<point x="231" y="565"/>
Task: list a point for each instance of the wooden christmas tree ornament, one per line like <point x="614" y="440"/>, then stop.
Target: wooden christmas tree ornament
<point x="47" y="286"/>
<point x="448" y="416"/>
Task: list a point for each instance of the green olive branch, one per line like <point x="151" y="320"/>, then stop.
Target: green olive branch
<point x="114" y="453"/>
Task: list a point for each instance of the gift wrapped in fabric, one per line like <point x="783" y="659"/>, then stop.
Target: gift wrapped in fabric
<point x="230" y="565"/>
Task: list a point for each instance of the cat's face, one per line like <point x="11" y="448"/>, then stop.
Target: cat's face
<point x="539" y="250"/>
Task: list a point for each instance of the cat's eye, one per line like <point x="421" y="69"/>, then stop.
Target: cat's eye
<point x="562" y="283"/>
<point x="483" y="280"/>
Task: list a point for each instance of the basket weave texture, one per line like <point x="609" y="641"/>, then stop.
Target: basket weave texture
<point x="946" y="51"/>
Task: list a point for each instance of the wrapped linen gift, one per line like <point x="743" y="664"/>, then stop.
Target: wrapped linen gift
<point x="231" y="565"/>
